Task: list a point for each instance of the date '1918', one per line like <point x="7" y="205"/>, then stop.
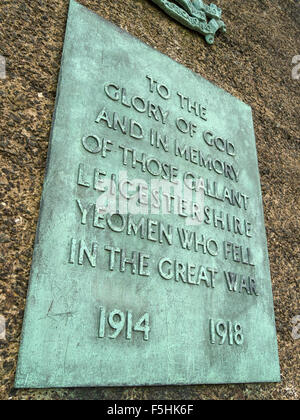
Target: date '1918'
<point x="117" y="320"/>
<point x="226" y="329"/>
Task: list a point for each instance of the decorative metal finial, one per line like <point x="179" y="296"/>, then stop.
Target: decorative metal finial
<point x="195" y="15"/>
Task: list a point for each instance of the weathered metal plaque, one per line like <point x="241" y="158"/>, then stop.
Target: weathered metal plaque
<point x="150" y="263"/>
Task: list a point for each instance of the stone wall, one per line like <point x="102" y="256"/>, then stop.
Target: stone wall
<point x="252" y="61"/>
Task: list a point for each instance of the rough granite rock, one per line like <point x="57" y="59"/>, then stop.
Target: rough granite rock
<point x="252" y="61"/>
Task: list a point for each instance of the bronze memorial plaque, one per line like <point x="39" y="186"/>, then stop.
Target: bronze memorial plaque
<point x="150" y="264"/>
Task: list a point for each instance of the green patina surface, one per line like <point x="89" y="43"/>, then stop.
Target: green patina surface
<point x="123" y="300"/>
<point x="195" y="15"/>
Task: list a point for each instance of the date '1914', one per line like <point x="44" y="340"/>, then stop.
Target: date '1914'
<point x="118" y="320"/>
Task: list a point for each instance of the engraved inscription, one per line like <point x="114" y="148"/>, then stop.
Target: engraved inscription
<point x="124" y="202"/>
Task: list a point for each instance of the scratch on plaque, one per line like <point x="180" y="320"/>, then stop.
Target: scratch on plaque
<point x="26" y="379"/>
<point x="50" y="307"/>
<point x="52" y="315"/>
<point x="65" y="358"/>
